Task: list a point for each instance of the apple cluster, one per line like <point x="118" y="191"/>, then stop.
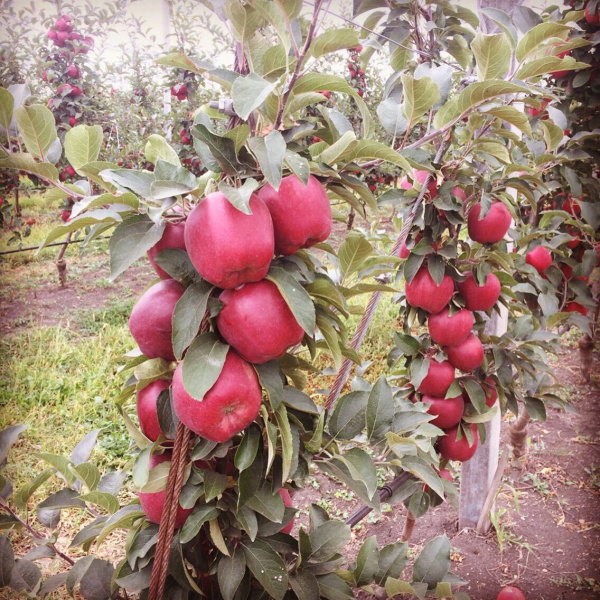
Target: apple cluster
<point x="232" y="251"/>
<point x="356" y="76"/>
<point x="451" y="308"/>
<point x="63" y="35"/>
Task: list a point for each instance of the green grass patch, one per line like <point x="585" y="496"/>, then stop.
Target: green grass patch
<point x="61" y="385"/>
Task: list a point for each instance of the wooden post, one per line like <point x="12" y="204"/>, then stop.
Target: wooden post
<point x="476" y="475"/>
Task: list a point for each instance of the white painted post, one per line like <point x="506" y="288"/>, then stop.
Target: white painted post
<point x="166" y="25"/>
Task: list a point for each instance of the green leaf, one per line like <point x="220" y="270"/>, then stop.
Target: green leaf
<point x="513" y="116"/>
<point x="395" y="587"/>
<point x="158" y="147"/>
<point x="83" y="144"/>
<point x="24" y="493"/>
<point x="7" y="105"/>
<point x="65" y="498"/>
<point x="424" y="472"/>
<point x="380" y="410"/>
<point x="476" y="394"/>
<point x="130" y="241"/>
<point x="127" y="180"/>
<point x="494" y="148"/>
<point x="392" y="560"/>
<point x="270" y="153"/>
<point x="240" y="196"/>
<point x="298" y="165"/>
<point x="549" y="64"/>
<point x="473" y="95"/>
<point x="492" y="54"/>
<point x="88" y="473"/>
<point x="25" y="162"/>
<point x="188" y="314"/>
<point x="123" y="518"/>
<point x="327" y="326"/>
<point x="553" y="135"/>
<point x="296" y="297"/>
<point x="333" y="587"/>
<point x="305" y="585"/>
<point x="287" y="446"/>
<point x="419" y="96"/>
<point x="103" y="499"/>
<point x="157" y="478"/>
<point x="230" y="572"/>
<point x="203" y="364"/>
<point x="327" y="540"/>
<point x="217" y="153"/>
<point x="171" y="180"/>
<point x="270" y="377"/>
<point x="408" y="345"/>
<point x="333" y="40"/>
<point x="60" y="463"/>
<point x="504" y="22"/>
<point x="248" y="448"/>
<point x="267" y="504"/>
<point x="367" y="562"/>
<point x="352" y="253"/>
<point x="267" y="566"/>
<point x="347" y="419"/>
<point x="249" y="92"/>
<point x="244" y="19"/>
<point x="37" y="126"/>
<point x="200" y="515"/>
<point x="391" y="116"/>
<point x="370" y="150"/>
<point x="339" y="149"/>
<point x="433" y="563"/>
<point x="361" y="467"/>
<point x="534" y="39"/>
<point x="214" y="484"/>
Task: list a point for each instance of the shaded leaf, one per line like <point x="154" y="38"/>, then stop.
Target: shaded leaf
<point x="268" y="567"/>
<point x="203" y="364"/>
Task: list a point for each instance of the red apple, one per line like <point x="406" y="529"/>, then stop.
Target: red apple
<point x="72" y="121"/>
<point x="576" y="307"/>
<point x="287" y="500"/>
<point x="173" y="237"/>
<point x="449" y="330"/>
<point x="459" y="193"/>
<point x="230" y="405"/>
<point x="510" y="593"/>
<point x="301" y="215"/>
<point x="592" y="18"/>
<point x="424" y="292"/>
<point x="61" y="38"/>
<point x="489" y="389"/>
<point x="150" y="322"/>
<point x="452" y="449"/>
<point x="421" y="176"/>
<point x="480" y="297"/>
<point x="257" y="322"/>
<point x="74" y="72"/>
<point x="146" y="408"/>
<point x="540" y="258"/>
<point x="466" y="356"/>
<point x="153" y="502"/>
<point x="439" y="378"/>
<point x="65" y="215"/>
<point x="491" y="228"/>
<point x="51" y="35"/>
<point x="71" y="172"/>
<point x="449" y="411"/>
<point x="227" y="246"/>
<point x="60" y="25"/>
<point x="572" y="206"/>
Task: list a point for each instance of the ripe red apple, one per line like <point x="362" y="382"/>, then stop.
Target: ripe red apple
<point x="257" y="322"/>
<point x="230" y="405"/>
<point x="287" y="500"/>
<point x="449" y="411"/>
<point x="146" y="408"/>
<point x="452" y="449"/>
<point x="439" y="378"/>
<point x="173" y="237"/>
<point x="65" y="215"/>
<point x="51" y="35"/>
<point x="540" y="258"/>
<point x="450" y="330"/>
<point x="301" y="215"/>
<point x="31" y="221"/>
<point x="150" y="322"/>
<point x="576" y="307"/>
<point x="562" y="72"/>
<point x="572" y="206"/>
<point x="592" y="18"/>
<point x="74" y="72"/>
<point x="424" y="292"/>
<point x="466" y="356"/>
<point x="480" y="297"/>
<point x="491" y="228"/>
<point x="61" y="38"/>
<point x="227" y="246"/>
<point x="511" y="593"/>
<point x="72" y="121"/>
<point x="459" y="193"/>
<point x="153" y="502"/>
<point x="71" y="172"/>
<point x="60" y="25"/>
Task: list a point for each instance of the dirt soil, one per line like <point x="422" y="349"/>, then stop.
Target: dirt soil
<point x="548" y="509"/>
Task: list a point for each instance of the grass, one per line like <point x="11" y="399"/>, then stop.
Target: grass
<point x="61" y="384"/>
